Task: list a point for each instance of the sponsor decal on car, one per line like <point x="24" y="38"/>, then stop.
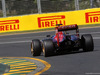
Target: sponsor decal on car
<point x="8" y="25"/>
<point x="92" y="17"/>
<point x="51" y="21"/>
<point x="67" y="27"/>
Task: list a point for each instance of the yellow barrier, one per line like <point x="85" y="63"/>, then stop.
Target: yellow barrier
<point x="48" y="20"/>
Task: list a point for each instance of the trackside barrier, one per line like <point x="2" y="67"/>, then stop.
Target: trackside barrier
<point x="48" y="20"/>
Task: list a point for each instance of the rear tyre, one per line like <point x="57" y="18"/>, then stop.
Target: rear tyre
<point x="48" y="48"/>
<point x="87" y="42"/>
<point x="36" y="47"/>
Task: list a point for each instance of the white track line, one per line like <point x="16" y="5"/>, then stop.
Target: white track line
<point x="30" y="41"/>
<point x="45" y="36"/>
<point x="40" y="36"/>
<point x="96" y="37"/>
<point x="15" y="42"/>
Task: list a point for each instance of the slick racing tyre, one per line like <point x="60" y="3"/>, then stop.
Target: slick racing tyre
<point x="87" y="42"/>
<point x="48" y="48"/>
<point x="36" y="47"/>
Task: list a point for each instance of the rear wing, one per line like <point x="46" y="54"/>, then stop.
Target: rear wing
<point x="65" y="28"/>
<point x="68" y="27"/>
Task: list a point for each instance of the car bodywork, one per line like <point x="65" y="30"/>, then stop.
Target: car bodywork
<point x="62" y="41"/>
<point x="61" y="38"/>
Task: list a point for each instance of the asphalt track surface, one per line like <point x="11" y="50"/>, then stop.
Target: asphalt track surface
<point x="78" y="63"/>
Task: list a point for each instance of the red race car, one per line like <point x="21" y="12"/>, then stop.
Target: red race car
<point x="62" y="41"/>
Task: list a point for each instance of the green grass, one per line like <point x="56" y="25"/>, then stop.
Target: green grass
<point x="48" y="29"/>
<point x="90" y="25"/>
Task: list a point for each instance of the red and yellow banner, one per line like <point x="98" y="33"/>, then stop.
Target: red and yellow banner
<point x="48" y="20"/>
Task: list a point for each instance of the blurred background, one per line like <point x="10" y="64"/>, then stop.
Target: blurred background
<point x="25" y="7"/>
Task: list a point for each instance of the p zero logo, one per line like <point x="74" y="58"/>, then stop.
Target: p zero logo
<point x="51" y="21"/>
<point x="92" y="17"/>
<point x="9" y="25"/>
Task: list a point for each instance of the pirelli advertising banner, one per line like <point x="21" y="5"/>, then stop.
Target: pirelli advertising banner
<point x="49" y="20"/>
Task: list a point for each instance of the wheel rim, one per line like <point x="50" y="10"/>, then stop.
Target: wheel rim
<point x="32" y="51"/>
<point x="43" y="50"/>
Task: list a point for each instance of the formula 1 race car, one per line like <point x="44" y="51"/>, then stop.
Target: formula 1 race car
<point x="62" y="41"/>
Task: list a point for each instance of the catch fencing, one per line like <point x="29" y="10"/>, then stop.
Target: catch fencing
<point x="24" y="7"/>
